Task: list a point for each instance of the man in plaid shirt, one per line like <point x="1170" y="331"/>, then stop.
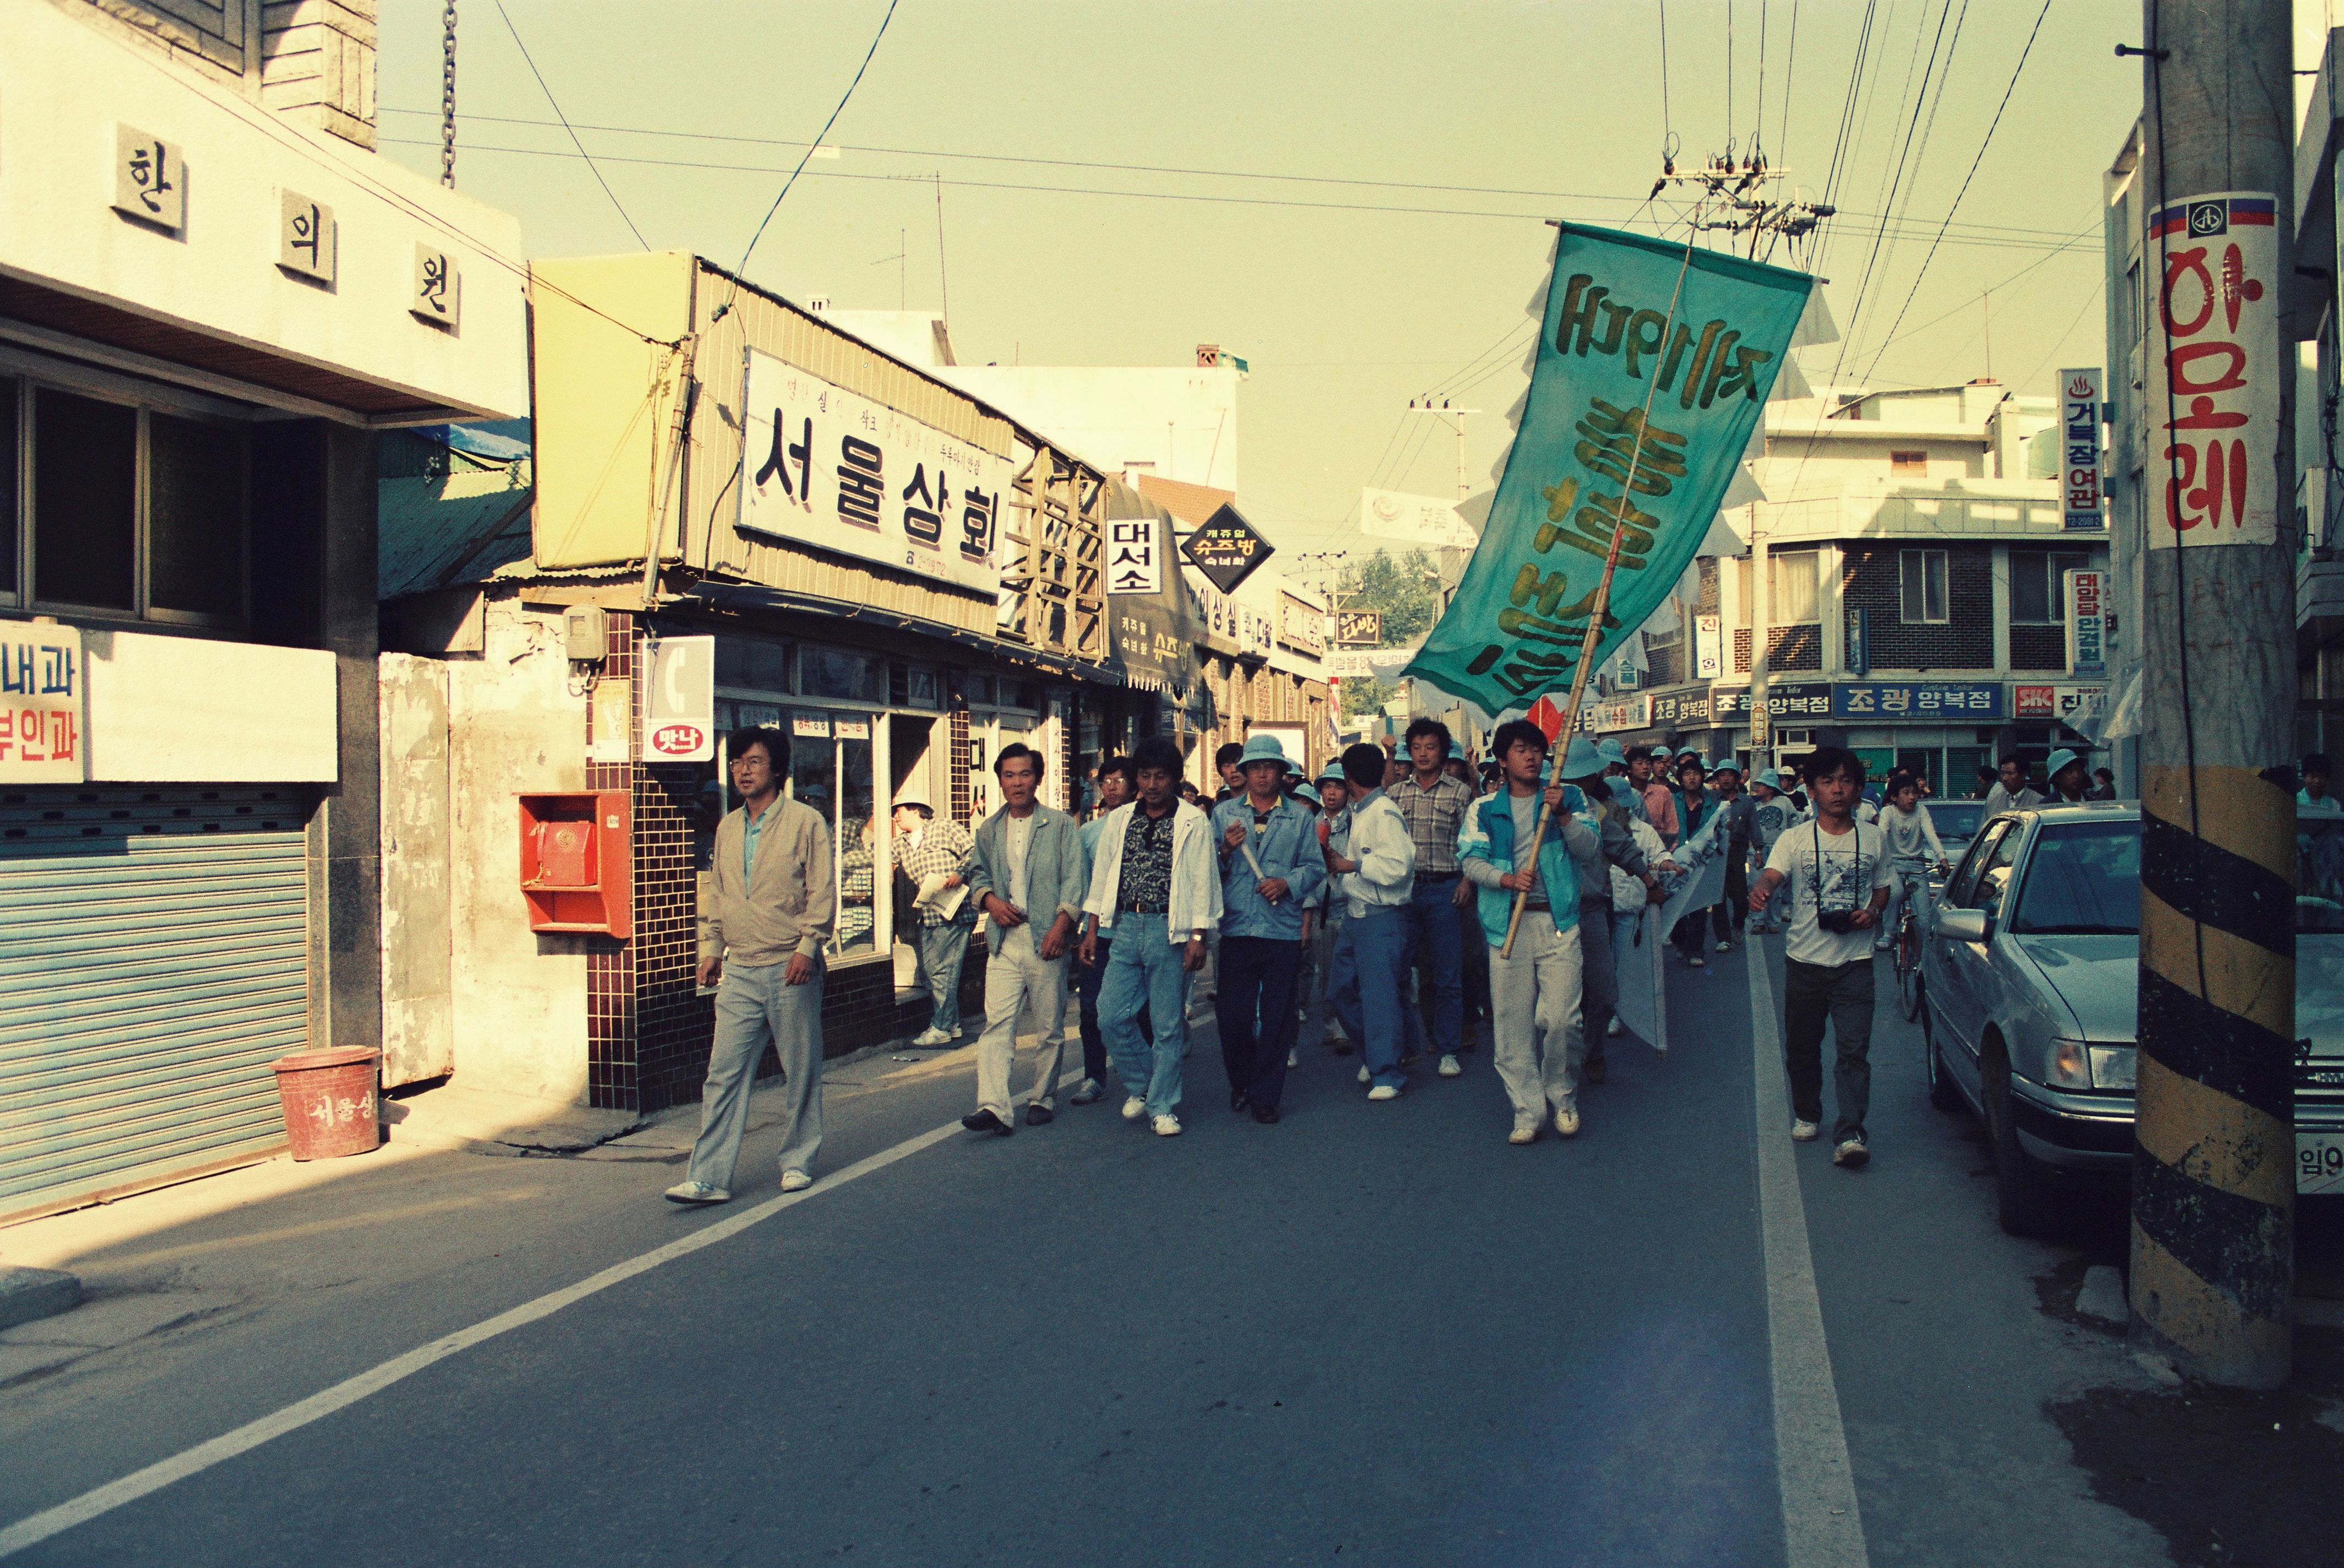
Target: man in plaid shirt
<point x="1434" y="806"/>
<point x="925" y="847"/>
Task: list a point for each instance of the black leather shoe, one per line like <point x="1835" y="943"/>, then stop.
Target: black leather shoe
<point x="986" y="1121"/>
<point x="1237" y="1099"/>
<point x="1039" y="1114"/>
<point x="1595" y="1069"/>
<point x="1266" y="1114"/>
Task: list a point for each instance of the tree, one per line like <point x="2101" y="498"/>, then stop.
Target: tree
<point x="1405" y="591"/>
<point x="1366" y="696"/>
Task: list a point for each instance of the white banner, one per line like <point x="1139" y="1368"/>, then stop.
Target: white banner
<point x="821" y="466"/>
<point x="1420" y="520"/>
<point x="2215" y="371"/>
<point x="1643" y="987"/>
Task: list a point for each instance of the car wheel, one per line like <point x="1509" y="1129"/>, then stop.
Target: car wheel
<point x="1942" y="1092"/>
<point x="2022" y="1201"/>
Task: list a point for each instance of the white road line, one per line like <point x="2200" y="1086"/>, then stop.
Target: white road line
<point x="1821" y="1525"/>
<point x="50" y="1521"/>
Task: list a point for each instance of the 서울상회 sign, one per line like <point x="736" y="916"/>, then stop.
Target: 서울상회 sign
<point x="1923" y="700"/>
<point x="2216" y="365"/>
<point x="823" y="467"/>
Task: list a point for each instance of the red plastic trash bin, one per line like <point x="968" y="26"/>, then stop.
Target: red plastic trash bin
<point x="330" y="1101"/>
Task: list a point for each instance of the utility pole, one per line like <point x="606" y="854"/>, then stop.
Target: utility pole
<point x="2213" y="1191"/>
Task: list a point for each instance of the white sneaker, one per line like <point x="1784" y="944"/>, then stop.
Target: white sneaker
<point x="1523" y="1134"/>
<point x="1884" y="945"/>
<point x="795" y="1181"/>
<point x="696" y="1192"/>
<point x="1566" y="1120"/>
<point x="1852" y="1153"/>
<point x="1293" y="1060"/>
<point x="1613" y="1027"/>
<point x="1364" y="1075"/>
<point x="1450" y="1066"/>
<point x="1696" y="961"/>
<point x="931" y="1036"/>
<point x="1384" y="1091"/>
<point x="1804" y="1131"/>
<point x="1166" y="1126"/>
<point x="1133" y="1109"/>
<point x="1724" y="946"/>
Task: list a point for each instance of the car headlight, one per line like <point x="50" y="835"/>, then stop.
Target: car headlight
<point x="2113" y="1066"/>
<point x="2070" y="1067"/>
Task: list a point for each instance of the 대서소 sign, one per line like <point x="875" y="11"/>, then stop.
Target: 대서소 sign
<point x="1630" y="323"/>
<point x="822" y="467"/>
<point x="2215" y="368"/>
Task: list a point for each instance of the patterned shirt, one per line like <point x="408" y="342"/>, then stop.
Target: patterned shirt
<point x="942" y="849"/>
<point x="1146" y="887"/>
<point x="1433" y="816"/>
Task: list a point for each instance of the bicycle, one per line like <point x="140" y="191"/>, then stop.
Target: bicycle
<point x="1905" y="947"/>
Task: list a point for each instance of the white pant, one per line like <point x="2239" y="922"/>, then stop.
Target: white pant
<point x="1015" y="978"/>
<point x="1534" y="1014"/>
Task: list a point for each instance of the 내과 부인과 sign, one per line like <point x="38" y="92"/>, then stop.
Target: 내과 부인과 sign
<point x="1610" y="342"/>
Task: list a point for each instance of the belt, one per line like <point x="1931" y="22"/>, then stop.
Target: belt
<point x="1439" y="875"/>
<point x="1145" y="909"/>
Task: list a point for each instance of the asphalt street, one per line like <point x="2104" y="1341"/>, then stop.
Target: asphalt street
<point x="1375" y="1333"/>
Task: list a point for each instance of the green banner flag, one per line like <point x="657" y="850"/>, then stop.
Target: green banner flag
<point x="1651" y="356"/>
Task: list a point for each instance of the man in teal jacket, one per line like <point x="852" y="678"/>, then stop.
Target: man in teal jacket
<point x="1534" y="994"/>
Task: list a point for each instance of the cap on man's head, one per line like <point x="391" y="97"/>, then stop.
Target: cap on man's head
<point x="1771" y="778"/>
<point x="2060" y="761"/>
<point x="1581" y="760"/>
<point x="1305" y="792"/>
<point x="1613" y="753"/>
<point x="1456" y="751"/>
<point x="1263" y="748"/>
<point x="915" y="797"/>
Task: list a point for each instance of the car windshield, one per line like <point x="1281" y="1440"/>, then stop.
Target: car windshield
<point x="1955" y="819"/>
<point x="2083" y="879"/>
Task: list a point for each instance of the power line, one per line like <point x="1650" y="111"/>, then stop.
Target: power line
<point x="1988" y="237"/>
<point x="1088" y="164"/>
<point x="555" y="105"/>
<point x="809" y="152"/>
<point x="1980" y="158"/>
<point x="2061" y="342"/>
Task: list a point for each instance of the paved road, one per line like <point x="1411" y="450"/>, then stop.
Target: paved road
<point x="1375" y="1333"/>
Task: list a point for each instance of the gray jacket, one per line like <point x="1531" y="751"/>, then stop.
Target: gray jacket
<point x="1054" y="879"/>
<point x="1616" y="844"/>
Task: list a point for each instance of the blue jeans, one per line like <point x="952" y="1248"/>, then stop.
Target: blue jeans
<point x="1371" y="952"/>
<point x="1144" y="976"/>
<point x="943" y="949"/>
<point x="1089" y="980"/>
<point x="1433" y="930"/>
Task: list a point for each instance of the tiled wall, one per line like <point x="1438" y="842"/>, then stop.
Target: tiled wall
<point x="1787" y="648"/>
<point x="612" y="1078"/>
<point x="1872" y="580"/>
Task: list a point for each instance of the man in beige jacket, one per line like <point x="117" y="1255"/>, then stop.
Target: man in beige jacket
<point x="761" y="934"/>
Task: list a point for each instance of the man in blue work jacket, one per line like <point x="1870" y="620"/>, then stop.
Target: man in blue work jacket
<point x="1270" y="866"/>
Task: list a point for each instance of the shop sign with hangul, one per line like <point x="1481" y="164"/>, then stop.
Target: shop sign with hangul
<point x="2079" y="447"/>
<point x="41" y="676"/>
<point x="150" y="179"/>
<point x="2216" y="366"/>
<point x="1921" y="701"/>
<point x="306" y="236"/>
<point x="827" y="468"/>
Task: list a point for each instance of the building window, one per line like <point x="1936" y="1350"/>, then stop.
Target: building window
<point x="2036" y="581"/>
<point x="1792" y="580"/>
<point x="1923" y="578"/>
<point x="834" y="673"/>
<point x="752" y="664"/>
<point x="1909" y="465"/>
<point x="130" y="509"/>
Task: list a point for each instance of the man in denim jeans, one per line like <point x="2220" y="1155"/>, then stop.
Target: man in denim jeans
<point x="1117" y="786"/>
<point x="1156" y="892"/>
<point x="1270" y="865"/>
<point x="1433" y="805"/>
<point x="762" y="937"/>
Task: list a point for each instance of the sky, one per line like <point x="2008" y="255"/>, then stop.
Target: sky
<point x="1350" y="196"/>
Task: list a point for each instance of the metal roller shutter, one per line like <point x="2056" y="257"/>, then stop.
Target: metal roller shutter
<point x="153" y="962"/>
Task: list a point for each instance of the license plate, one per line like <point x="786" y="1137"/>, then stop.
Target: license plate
<point x="2320" y="1162"/>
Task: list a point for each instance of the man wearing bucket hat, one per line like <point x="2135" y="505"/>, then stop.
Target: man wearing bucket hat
<point x="1771" y="813"/>
<point x="1327" y="907"/>
<point x="1270" y="866"/>
<point x="934" y="857"/>
<point x="1738" y="824"/>
<point x="2070" y="776"/>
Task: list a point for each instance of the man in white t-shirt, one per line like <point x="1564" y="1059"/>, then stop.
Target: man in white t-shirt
<point x="1839" y="878"/>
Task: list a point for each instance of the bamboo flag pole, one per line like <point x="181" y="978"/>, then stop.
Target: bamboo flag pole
<point x="1595" y="615"/>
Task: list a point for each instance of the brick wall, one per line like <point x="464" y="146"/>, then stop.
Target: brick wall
<point x="613" y="1080"/>
<point x="1787" y="648"/>
<point x="674" y="1025"/>
<point x="2038" y="648"/>
<point x="958" y="720"/>
<point x="1872" y="579"/>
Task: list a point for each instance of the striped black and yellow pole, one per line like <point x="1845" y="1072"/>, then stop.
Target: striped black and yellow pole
<point x="2214" y="1152"/>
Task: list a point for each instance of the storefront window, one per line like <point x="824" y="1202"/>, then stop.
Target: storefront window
<point x="858" y="839"/>
<point x="753" y="663"/>
<point x="834" y="673"/>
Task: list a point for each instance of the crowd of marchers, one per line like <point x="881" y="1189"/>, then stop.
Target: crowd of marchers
<point x="1398" y="906"/>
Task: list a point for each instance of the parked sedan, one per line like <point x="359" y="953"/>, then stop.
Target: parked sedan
<point x="2030" y="987"/>
<point x="1956" y="822"/>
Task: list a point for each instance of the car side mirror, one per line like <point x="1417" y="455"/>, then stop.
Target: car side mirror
<point x="1963" y="925"/>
